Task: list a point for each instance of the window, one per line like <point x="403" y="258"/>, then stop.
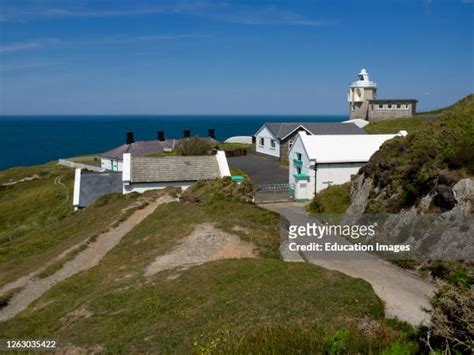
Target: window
<point x="389" y="105"/>
<point x="262" y="142"/>
<point x="380" y="106"/>
<point x="272" y="143"/>
<point x="298" y="170"/>
<point x="353" y="107"/>
<point x="290" y="144"/>
<point x="399" y="106"/>
<point x="298" y="156"/>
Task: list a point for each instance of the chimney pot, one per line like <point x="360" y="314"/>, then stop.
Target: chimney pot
<point x="130" y="138"/>
<point x="160" y="135"/>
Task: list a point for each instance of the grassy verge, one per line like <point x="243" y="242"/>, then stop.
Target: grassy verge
<point x="394" y="126"/>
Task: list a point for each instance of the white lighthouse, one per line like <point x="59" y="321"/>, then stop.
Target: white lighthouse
<point x="360" y="92"/>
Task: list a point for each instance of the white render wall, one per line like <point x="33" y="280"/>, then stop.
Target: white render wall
<point x="111" y="164"/>
<point x="297" y="147"/>
<point x="266" y="148"/>
<point x="336" y="173"/>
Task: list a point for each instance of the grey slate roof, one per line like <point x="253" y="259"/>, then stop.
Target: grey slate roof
<point x="281" y="129"/>
<point x="140" y="148"/>
<point x="178" y="168"/>
<point x="144" y="148"/>
<point x="95" y="185"/>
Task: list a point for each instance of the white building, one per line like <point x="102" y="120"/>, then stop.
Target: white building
<point x="316" y="162"/>
<point x="275" y="138"/>
<point x="141" y="174"/>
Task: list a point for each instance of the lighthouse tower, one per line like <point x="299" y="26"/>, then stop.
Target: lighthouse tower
<point x="360" y="92"/>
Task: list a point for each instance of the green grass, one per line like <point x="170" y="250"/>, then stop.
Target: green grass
<point x="37" y="221"/>
<point x="228" y="306"/>
<point x="333" y="200"/>
<point x="396" y="125"/>
<point x="438" y="152"/>
<point x="235" y="146"/>
<point x="220" y="306"/>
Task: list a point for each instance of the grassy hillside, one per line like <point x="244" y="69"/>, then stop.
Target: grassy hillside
<point x="37" y="221"/>
<point x="259" y="304"/>
<point x="440" y="152"/>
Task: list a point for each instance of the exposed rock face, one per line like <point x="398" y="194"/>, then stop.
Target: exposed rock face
<point x="444" y="197"/>
<point x="448" y="235"/>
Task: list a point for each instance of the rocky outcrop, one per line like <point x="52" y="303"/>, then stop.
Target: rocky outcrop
<point x="440" y="226"/>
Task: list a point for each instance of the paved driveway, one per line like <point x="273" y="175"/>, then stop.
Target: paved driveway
<point x="405" y="295"/>
<point x="260" y="169"/>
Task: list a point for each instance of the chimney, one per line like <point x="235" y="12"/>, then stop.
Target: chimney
<point x="160" y="135"/>
<point x="211" y="132"/>
<point x="130" y="138"/>
<point x="186" y="133"/>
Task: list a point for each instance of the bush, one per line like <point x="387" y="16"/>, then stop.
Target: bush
<point x="452" y="320"/>
<point x="333" y="200"/>
<point x="193" y="146"/>
<point x="221" y="189"/>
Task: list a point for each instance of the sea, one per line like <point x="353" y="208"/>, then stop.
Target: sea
<point x="31" y="140"/>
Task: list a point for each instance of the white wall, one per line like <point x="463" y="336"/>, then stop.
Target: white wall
<point x="222" y="162"/>
<point x="77" y="188"/>
<point x="111" y="164"/>
<point x="337" y="173"/>
<point x="266" y="148"/>
<point x="142" y="187"/>
<point x="297" y="147"/>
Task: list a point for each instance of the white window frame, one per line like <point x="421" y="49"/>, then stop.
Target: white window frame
<point x="261" y="142"/>
<point x="272" y="144"/>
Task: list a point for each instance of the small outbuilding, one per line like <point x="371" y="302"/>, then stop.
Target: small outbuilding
<point x="316" y="162"/>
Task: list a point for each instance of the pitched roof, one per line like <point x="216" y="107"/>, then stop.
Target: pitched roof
<point x="282" y="129"/>
<point x="178" y="168"/>
<point x="140" y="148"/>
<point x="95" y="185"/>
<point x="343" y="148"/>
<point x="144" y="148"/>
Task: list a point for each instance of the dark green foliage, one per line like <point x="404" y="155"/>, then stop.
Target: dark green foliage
<point x="333" y="200"/>
<point x="193" y="146"/>
<point x="437" y="152"/>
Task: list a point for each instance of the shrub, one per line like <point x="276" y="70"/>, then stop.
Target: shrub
<point x="333" y="200"/>
<point x="221" y="189"/>
<point x="193" y="146"/>
<point x="452" y="320"/>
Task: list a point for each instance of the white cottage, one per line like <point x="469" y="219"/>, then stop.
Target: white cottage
<point x="141" y="174"/>
<point x="316" y="162"/>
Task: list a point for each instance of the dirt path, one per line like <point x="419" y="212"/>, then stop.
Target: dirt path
<point x="206" y="243"/>
<point x="90" y="257"/>
<point x="405" y="295"/>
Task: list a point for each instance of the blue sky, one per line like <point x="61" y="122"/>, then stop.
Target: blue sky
<point x="213" y="57"/>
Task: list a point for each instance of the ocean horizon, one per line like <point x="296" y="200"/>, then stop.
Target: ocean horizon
<point x="31" y="140"/>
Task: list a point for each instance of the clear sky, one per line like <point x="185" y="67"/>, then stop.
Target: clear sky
<point x="234" y="57"/>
